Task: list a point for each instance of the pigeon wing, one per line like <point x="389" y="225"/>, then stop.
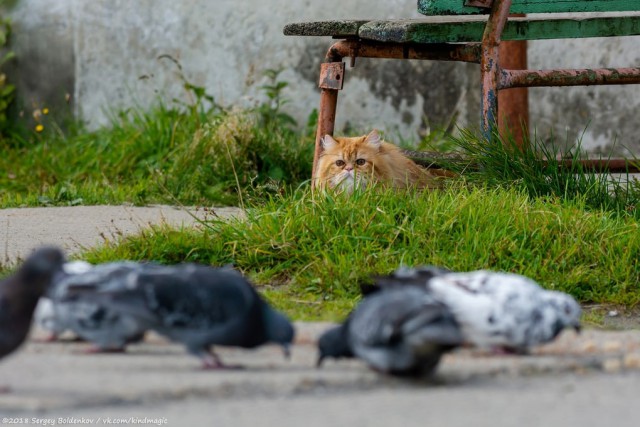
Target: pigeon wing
<point x="196" y="296"/>
<point x="405" y="276"/>
<point x="397" y="329"/>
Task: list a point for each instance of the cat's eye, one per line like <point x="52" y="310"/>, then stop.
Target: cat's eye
<point x="360" y="162"/>
<point x="340" y="163"/>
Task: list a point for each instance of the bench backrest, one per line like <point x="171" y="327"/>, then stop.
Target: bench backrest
<point x="457" y="7"/>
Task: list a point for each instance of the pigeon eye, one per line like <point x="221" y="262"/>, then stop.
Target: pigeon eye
<point x="360" y="162"/>
<point x="340" y="163"/>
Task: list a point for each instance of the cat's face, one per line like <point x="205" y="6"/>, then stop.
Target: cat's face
<point x="347" y="163"/>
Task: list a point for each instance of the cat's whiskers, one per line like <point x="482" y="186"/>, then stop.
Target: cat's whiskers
<point x="344" y="180"/>
<point x="348" y="180"/>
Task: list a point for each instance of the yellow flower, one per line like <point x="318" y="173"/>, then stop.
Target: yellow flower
<point x="39" y="128"/>
<point x="45" y="111"/>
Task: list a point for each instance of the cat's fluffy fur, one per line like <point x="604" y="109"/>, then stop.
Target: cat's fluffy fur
<point x="348" y="163"/>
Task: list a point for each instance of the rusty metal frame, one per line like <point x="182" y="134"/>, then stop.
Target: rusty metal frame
<point x="489" y="64"/>
<point x="493" y="77"/>
<point x="479" y="3"/>
<point x="606" y="165"/>
<point x="431" y="159"/>
<point x="369" y="49"/>
<point x="569" y="77"/>
<point x="469" y="52"/>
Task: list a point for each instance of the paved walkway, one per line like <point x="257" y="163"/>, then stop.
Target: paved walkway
<point x="76" y="227"/>
<point x="587" y="380"/>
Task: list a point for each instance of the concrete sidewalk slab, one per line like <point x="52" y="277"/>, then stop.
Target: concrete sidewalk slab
<point x="77" y="227"/>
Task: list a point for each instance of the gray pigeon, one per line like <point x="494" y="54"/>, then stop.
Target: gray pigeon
<point x="495" y="310"/>
<point x="73" y="308"/>
<point x="402" y="331"/>
<point x="198" y="306"/>
<point x="19" y="296"/>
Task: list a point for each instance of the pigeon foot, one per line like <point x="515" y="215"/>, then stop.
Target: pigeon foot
<point x="211" y="361"/>
<point x="99" y="350"/>
<point x="52" y="337"/>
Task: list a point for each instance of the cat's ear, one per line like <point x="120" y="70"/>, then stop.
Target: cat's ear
<point x="374" y="139"/>
<point x="328" y="142"/>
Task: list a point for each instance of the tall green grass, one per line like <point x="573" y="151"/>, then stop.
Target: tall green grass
<point x="185" y="154"/>
<point x="318" y="249"/>
<point x="540" y="169"/>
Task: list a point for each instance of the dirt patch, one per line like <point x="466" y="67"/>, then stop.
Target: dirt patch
<point x="612" y="317"/>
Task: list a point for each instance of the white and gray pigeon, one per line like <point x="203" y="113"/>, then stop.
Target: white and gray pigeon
<point x="70" y="305"/>
<point x="496" y="310"/>
<point x="196" y="305"/>
<point x="19" y="294"/>
<point x="402" y="331"/>
<point x="45" y="315"/>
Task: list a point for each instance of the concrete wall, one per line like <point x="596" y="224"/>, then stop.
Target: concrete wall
<point x="107" y="55"/>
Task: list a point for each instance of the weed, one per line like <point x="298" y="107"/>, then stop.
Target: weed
<point x="270" y="112"/>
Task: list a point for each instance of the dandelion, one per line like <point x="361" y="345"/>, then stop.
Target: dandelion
<point x="39" y="128"/>
<point x="45" y="111"/>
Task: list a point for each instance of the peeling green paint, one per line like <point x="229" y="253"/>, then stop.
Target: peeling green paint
<point x="472" y="28"/>
<point x="456" y="7"/>
<point x="468" y="29"/>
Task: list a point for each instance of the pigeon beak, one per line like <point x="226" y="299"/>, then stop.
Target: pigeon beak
<point x="286" y="350"/>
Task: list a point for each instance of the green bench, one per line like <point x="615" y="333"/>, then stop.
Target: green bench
<point x="471" y="31"/>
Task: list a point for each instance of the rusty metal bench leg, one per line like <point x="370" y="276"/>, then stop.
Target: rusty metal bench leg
<point x="489" y="101"/>
<point x="331" y="80"/>
<point x="489" y="65"/>
<point x="513" y="111"/>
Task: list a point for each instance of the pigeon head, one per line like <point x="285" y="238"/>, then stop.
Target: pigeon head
<point x="40" y="267"/>
<point x="333" y="343"/>
<point x="566" y="309"/>
<point x="76" y="267"/>
<point x="279" y="329"/>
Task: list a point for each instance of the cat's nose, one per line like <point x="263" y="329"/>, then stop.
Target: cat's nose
<point x="348" y="167"/>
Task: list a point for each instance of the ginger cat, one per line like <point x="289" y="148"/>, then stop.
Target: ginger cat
<point x="347" y="163"/>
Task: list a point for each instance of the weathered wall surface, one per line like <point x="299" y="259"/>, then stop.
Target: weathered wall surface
<point x="112" y="54"/>
<point x="607" y="115"/>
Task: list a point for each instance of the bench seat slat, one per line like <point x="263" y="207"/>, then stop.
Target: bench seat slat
<point x="345" y="28"/>
<point x="470" y="28"/>
<point x="452" y="31"/>
<point x="457" y="7"/>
